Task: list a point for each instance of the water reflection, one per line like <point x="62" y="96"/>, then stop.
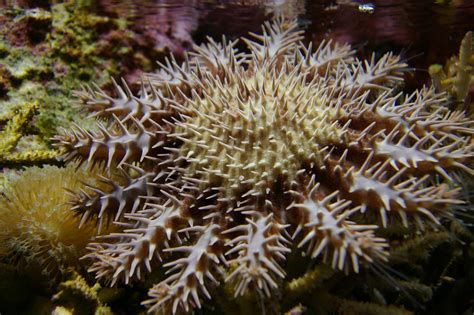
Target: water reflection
<point x="426" y="31"/>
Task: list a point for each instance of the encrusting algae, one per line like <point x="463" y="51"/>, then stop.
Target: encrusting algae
<point x="49" y="51"/>
<point x="234" y="161"/>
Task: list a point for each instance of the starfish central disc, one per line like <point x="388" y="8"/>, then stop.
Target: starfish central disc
<point x="250" y="130"/>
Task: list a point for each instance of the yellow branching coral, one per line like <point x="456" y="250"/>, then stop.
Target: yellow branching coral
<point x="36" y="224"/>
<point x="77" y="297"/>
<point x="242" y="158"/>
<point x="15" y="122"/>
<point x="457" y="76"/>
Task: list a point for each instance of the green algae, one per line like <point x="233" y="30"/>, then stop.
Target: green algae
<point x="53" y="54"/>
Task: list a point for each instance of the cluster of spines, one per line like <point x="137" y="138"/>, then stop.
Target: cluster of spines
<point x="173" y="77"/>
<point x="326" y="56"/>
<point x="191" y="272"/>
<point x="149" y="233"/>
<point x="260" y="245"/>
<point x="120" y="141"/>
<point x="150" y="104"/>
<point x="276" y="41"/>
<point x="388" y="152"/>
<point x="376" y="185"/>
<point x="124" y="194"/>
<point x="326" y="227"/>
<point x="218" y="58"/>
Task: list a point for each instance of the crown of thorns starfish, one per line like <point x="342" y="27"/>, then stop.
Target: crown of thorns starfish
<point x="231" y="160"/>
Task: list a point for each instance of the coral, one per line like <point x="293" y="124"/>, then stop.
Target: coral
<point x="457" y="76"/>
<point x="351" y="307"/>
<point x="77" y="293"/>
<point x="242" y="159"/>
<point x="37" y="229"/>
<point x="311" y="279"/>
<point x="15" y="124"/>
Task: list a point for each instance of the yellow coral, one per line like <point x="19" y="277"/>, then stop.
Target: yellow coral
<point x="15" y="122"/>
<point x="457" y="76"/>
<point x="80" y="298"/>
<point x="37" y="225"/>
<point x="12" y="132"/>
